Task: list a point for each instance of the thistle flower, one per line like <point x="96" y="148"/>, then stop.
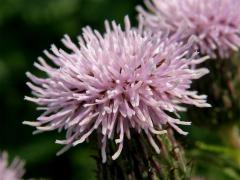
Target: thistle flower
<point x="14" y="172"/>
<point x="216" y="23"/>
<point x="115" y="82"/>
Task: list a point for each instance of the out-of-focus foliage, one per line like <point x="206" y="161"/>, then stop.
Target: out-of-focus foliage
<point x="27" y="27"/>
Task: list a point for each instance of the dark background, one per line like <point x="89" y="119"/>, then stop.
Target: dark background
<point x="27" y="27"/>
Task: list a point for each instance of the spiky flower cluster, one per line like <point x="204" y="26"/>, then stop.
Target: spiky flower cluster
<point x="13" y="172"/>
<point x="111" y="83"/>
<point x="216" y="23"/>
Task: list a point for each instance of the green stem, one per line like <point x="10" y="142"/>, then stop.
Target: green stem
<point x="138" y="160"/>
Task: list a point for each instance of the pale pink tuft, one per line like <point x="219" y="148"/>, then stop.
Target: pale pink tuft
<point x="216" y="23"/>
<point x="14" y="171"/>
<point x="113" y="83"/>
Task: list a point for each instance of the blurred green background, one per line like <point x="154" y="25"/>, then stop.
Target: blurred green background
<point x="27" y="27"/>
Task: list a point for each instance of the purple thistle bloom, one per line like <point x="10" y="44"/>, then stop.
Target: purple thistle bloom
<point x="216" y="23"/>
<point x="12" y="172"/>
<point x="113" y="83"/>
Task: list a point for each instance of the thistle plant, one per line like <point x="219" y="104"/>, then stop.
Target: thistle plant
<point x="124" y="82"/>
<point x="125" y="89"/>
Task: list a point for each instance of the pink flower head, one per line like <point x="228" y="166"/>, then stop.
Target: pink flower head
<point x="216" y="23"/>
<point x="13" y="172"/>
<point x="115" y="82"/>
